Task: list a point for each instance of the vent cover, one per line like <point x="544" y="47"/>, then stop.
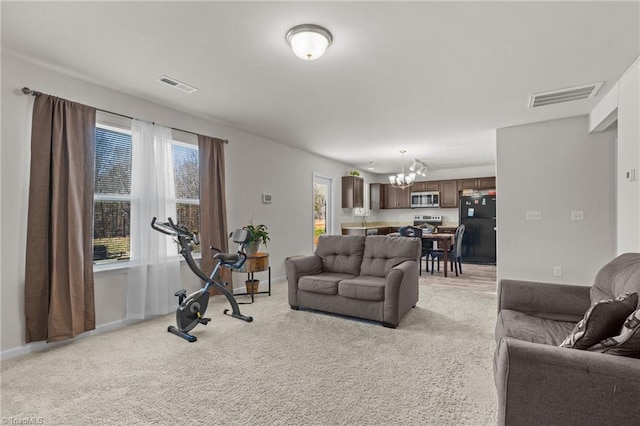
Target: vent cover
<point x="564" y="95"/>
<point x="177" y="84"/>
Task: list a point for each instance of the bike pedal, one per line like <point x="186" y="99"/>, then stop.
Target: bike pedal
<point x="204" y="321"/>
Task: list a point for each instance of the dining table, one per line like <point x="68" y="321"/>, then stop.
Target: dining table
<point x="447" y="241"/>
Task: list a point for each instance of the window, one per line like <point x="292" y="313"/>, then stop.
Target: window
<point x="321" y="207"/>
<point x="113" y="199"/>
<point x="186" y="178"/>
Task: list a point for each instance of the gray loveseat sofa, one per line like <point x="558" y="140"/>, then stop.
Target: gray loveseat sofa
<point x="540" y="383"/>
<point x="373" y="277"/>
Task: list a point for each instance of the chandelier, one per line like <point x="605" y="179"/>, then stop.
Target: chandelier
<point x="402" y="180"/>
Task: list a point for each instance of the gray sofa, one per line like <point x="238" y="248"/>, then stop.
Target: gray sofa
<point x="540" y="383"/>
<point x="373" y="277"/>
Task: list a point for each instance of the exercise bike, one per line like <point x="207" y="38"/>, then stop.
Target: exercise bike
<point x="191" y="308"/>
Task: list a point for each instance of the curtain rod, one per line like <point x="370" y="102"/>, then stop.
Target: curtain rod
<point x="28" y="91"/>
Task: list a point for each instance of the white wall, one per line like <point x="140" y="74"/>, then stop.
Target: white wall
<point x="555" y="167"/>
<point x="628" y="193"/>
<point x="253" y="165"/>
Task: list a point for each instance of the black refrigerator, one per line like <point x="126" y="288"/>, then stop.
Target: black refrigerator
<point x="478" y="215"/>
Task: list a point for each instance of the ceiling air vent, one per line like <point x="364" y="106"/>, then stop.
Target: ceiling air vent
<point x="177" y="84"/>
<point x="564" y="95"/>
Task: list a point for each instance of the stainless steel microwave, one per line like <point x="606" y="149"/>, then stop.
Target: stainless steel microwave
<point x="425" y="199"/>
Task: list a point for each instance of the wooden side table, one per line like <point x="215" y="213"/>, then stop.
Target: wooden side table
<point x="258" y="262"/>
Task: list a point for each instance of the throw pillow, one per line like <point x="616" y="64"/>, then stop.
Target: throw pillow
<point x="627" y="343"/>
<point x="603" y="320"/>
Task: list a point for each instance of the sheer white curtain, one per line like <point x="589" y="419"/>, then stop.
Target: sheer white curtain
<point x="154" y="276"/>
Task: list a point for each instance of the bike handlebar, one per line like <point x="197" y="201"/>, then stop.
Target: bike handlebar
<point x="233" y="260"/>
<point x="173" y="229"/>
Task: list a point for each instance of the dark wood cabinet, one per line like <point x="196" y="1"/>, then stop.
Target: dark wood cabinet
<point x="425" y="186"/>
<point x="396" y="198"/>
<point x="477" y="183"/>
<point x="382" y="230"/>
<point x="448" y="193"/>
<point x="376" y="196"/>
<point x="352" y="192"/>
<point x="385" y="196"/>
<point x="487" y="183"/>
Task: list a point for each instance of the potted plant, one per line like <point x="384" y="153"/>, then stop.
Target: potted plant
<point x="259" y="234"/>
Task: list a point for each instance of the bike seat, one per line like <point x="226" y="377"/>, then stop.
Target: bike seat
<point x="182" y="292"/>
<point x="227" y="258"/>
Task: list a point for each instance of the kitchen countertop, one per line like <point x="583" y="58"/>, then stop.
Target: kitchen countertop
<point x="376" y="225"/>
<point x="373" y="225"/>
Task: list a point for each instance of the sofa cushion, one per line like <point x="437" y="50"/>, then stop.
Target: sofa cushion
<point x="363" y="288"/>
<point x="324" y="283"/>
<point x="341" y="253"/>
<point x="381" y="253"/>
<point x="618" y="277"/>
<point x="604" y="319"/>
<point x="626" y="343"/>
<point x="531" y="328"/>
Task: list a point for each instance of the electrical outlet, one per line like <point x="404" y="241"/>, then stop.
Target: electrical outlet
<point x="533" y="215"/>
<point x="577" y="215"/>
<point x="557" y="271"/>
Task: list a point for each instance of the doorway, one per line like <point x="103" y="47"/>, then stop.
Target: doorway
<point x="321" y="207"/>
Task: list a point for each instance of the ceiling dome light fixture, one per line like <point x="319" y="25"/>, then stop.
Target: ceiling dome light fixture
<point x="309" y="41"/>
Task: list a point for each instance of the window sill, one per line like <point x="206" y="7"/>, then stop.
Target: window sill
<point x="119" y="266"/>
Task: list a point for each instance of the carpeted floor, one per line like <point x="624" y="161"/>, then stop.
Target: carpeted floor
<point x="286" y="368"/>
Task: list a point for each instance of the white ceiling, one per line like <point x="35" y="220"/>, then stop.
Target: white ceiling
<point x="433" y="78"/>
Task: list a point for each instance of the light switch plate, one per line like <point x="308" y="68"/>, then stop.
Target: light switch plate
<point x="577" y="215"/>
<point x="630" y="175"/>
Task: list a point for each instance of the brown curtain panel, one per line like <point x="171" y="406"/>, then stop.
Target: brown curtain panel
<point x="213" y="203"/>
<point x="59" y="301"/>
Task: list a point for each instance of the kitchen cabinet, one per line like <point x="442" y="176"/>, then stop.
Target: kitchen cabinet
<point x="365" y="230"/>
<point x="477" y="183"/>
<point x="425" y="186"/>
<point x="487" y="183"/>
<point x="396" y="198"/>
<point x="448" y="193"/>
<point x="354" y="231"/>
<point x="352" y="192"/>
<point x="376" y="196"/>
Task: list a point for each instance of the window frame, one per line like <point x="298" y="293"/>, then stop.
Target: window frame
<point x="182" y="139"/>
<point x="122" y="124"/>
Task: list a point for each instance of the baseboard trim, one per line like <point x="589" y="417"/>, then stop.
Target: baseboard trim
<point x="42" y="346"/>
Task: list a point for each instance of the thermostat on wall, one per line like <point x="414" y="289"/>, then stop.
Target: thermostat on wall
<point x="266" y="198"/>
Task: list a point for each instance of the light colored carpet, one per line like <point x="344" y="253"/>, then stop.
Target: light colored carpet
<point x="286" y="368"/>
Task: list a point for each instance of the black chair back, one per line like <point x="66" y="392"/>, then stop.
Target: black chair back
<point x="457" y="244"/>
<point x="410" y="231"/>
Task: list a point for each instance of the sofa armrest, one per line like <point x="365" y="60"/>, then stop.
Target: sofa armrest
<point x="554" y="301"/>
<point x="541" y="384"/>
<point x="401" y="291"/>
<point x="297" y="267"/>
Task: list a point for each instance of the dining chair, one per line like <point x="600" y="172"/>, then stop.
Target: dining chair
<point x="454" y="254"/>
<point x="427" y="246"/>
